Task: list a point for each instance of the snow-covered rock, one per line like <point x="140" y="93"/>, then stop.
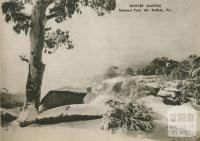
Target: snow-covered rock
<point x="170" y="90"/>
<point x="7" y="115"/>
<point x="11" y="100"/>
<point x="152" y="87"/>
<point x="163" y="93"/>
<point x="63" y="96"/>
<point x="93" y="110"/>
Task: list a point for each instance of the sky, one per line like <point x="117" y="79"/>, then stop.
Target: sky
<point x="117" y="38"/>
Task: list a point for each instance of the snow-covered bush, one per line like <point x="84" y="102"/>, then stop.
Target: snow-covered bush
<point x="132" y="88"/>
<point x="191" y="89"/>
<point x="128" y="117"/>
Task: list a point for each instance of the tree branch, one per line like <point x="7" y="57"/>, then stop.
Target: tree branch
<point x="54" y="15"/>
<point x="48" y="17"/>
<point x="48" y="28"/>
<point x="24" y="58"/>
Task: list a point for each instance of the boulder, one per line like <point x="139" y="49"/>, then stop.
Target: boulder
<point x="62" y="96"/>
<point x="74" y="112"/>
<point x="172" y="101"/>
<point x="152" y="87"/>
<point x="171" y="93"/>
<point x="177" y="92"/>
<point x="172" y="96"/>
<point x="11" y="100"/>
<point x="7" y="115"/>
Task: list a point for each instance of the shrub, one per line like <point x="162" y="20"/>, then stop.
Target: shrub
<point x="188" y="68"/>
<point x="129" y="71"/>
<point x="128" y="117"/>
<point x="178" y="73"/>
<point x="117" y="87"/>
<point x="160" y="66"/>
<point x="111" y="72"/>
<point x="132" y="88"/>
<point x="191" y="89"/>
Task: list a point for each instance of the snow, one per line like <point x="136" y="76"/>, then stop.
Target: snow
<point x="72" y="89"/>
<point x="115" y="80"/>
<point x="95" y="108"/>
<point x="90" y="130"/>
<point x="153" y="85"/>
<point x="59" y="133"/>
<point x="156" y="104"/>
<point x="164" y="93"/>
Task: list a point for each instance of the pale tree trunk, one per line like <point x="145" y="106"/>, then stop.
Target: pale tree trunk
<point x="36" y="66"/>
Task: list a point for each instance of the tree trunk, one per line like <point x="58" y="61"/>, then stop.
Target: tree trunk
<point x="36" y="66"/>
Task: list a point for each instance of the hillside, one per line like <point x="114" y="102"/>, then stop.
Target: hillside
<point x="119" y="106"/>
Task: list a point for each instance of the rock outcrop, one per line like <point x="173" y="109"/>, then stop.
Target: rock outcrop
<point x="62" y="96"/>
<point x="163" y="93"/>
<point x="74" y="112"/>
<point x="152" y="88"/>
<point x="9" y="100"/>
<point x="171" y="93"/>
<point x="7" y="115"/>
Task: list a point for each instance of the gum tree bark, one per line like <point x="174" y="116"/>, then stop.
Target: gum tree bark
<point x="36" y="66"/>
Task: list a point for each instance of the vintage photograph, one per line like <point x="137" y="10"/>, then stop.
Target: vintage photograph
<point x="95" y="70"/>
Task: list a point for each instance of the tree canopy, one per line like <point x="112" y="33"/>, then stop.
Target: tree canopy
<point x="59" y="10"/>
<point x="160" y="66"/>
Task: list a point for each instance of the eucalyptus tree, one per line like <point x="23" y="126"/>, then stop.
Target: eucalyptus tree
<point x="43" y="39"/>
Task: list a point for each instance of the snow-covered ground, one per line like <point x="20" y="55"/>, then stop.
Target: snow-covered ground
<point x="76" y="131"/>
<point x="90" y="130"/>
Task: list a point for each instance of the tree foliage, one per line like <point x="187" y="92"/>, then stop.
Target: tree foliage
<point x="160" y="66"/>
<point x="191" y="89"/>
<point x="188" y="68"/>
<point x="13" y="12"/>
<point x="54" y="40"/>
<point x="59" y="10"/>
<point x="129" y="71"/>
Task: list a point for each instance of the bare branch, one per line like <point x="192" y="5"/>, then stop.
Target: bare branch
<point x="24" y="58"/>
<point x="48" y="17"/>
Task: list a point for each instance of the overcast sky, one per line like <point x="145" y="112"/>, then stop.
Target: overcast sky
<point x="114" y="39"/>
